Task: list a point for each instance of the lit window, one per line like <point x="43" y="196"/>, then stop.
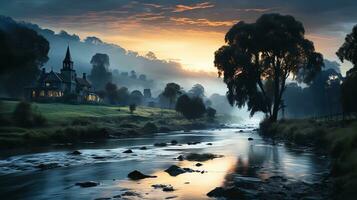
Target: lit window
<point x="42" y="93"/>
<point x="48" y="84"/>
<point x="33" y="93"/>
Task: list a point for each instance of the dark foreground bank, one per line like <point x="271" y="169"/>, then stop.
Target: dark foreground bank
<point x="338" y="139"/>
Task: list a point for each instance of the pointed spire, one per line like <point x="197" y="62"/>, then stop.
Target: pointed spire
<point x="68" y="56"/>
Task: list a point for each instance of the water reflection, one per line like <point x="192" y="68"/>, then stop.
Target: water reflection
<point x="255" y="159"/>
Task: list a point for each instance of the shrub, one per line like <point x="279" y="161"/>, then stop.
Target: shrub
<point x="22" y="114"/>
<point x="211" y="113"/>
<point x="132" y="108"/>
<point x="265" y="126"/>
<point x="150" y="128"/>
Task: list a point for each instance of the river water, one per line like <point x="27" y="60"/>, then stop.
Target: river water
<point x="108" y="165"/>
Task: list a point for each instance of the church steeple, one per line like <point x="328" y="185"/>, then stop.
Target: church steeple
<point x="67" y="62"/>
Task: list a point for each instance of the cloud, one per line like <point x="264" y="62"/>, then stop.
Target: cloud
<point x="182" y="8"/>
<point x="202" y="22"/>
<point x="254" y="9"/>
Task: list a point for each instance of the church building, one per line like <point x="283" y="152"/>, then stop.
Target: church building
<point x="62" y="87"/>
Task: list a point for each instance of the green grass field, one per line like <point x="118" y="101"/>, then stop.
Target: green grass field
<point x="73" y="123"/>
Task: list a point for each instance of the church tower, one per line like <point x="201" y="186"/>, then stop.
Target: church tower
<point x="68" y="73"/>
<point x="67" y="62"/>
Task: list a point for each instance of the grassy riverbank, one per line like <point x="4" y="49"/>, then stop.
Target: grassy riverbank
<point x="337" y="138"/>
<point x="75" y="123"/>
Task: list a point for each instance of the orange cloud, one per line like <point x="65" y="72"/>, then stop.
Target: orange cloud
<point x="202" y="22"/>
<point x="182" y="8"/>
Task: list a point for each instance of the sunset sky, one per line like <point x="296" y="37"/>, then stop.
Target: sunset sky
<point x="184" y="31"/>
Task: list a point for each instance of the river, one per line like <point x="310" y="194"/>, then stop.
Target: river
<point x="20" y="178"/>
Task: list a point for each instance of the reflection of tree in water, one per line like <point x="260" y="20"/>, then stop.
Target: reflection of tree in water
<point x="259" y="162"/>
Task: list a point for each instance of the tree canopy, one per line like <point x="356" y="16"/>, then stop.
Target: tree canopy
<point x="171" y="92"/>
<point x="100" y="74"/>
<point x="197" y="90"/>
<point x="348" y="51"/>
<point x="267" y="51"/>
<point x="191" y="108"/>
<point x="22" y="53"/>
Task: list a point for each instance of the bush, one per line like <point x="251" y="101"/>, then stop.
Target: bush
<point x="23" y="116"/>
<point x="191" y="108"/>
<point x="150" y="128"/>
<point x="265" y="127"/>
<point x="132" y="108"/>
<point x="211" y="113"/>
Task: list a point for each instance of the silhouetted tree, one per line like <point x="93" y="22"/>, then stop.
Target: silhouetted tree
<point x="190" y="108"/>
<point x="273" y="48"/>
<point x="22" y="53"/>
<point x="123" y="96"/>
<point x="142" y="77"/>
<point x="348" y="51"/>
<point x="112" y="93"/>
<point x="211" y="113"/>
<point x="132" y="108"/>
<point x="182" y="103"/>
<point x="197" y="91"/>
<point x="136" y="97"/>
<point x="133" y="74"/>
<point x="171" y="92"/>
<point x="100" y="74"/>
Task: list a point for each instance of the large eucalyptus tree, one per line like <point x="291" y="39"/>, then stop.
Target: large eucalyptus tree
<point x="259" y="57"/>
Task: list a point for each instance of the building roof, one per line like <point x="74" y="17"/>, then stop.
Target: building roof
<point x="53" y="77"/>
<point x="68" y="57"/>
<point x="83" y="82"/>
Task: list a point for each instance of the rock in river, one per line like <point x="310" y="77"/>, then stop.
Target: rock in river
<point x="199" y="164"/>
<point x="165" y="188"/>
<point x="250" y="139"/>
<point x="76" y="152"/>
<point x="87" y="184"/>
<point x="174" y="142"/>
<point x="160" y="144"/>
<point x="228" y="193"/>
<point x="201" y="157"/>
<point x="128" y="151"/>
<point x="43" y="166"/>
<point x="180" y="158"/>
<point x="136" y="175"/>
<point x="174" y="170"/>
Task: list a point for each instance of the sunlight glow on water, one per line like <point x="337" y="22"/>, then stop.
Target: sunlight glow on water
<point x="255" y="160"/>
